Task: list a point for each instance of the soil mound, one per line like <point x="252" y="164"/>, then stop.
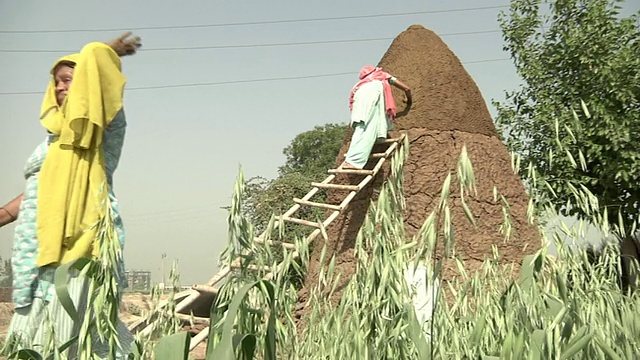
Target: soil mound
<point x="448" y="112"/>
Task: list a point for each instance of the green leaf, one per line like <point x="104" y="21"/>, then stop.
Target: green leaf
<point x="537" y="344"/>
<point x="416" y="334"/>
<point x="173" y="347"/>
<point x="611" y="354"/>
<point x="64" y="347"/>
<point x="136" y="349"/>
<point x="270" y="350"/>
<point x="531" y="265"/>
<point x="554" y="307"/>
<point x="26" y="354"/>
<point x="61" y="281"/>
<point x="584" y="109"/>
<point x="577" y="346"/>
<point x="247" y="345"/>
<point x="225" y="349"/>
<point x="478" y="331"/>
<point x="467" y="212"/>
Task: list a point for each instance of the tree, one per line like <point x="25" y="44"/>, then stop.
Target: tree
<point x="308" y="157"/>
<point x="313" y="152"/>
<point x="576" y="118"/>
<point x="6" y="273"/>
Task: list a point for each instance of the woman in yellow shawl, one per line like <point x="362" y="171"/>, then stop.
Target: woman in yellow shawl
<point x="68" y="179"/>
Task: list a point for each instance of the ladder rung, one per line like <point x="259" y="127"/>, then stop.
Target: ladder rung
<point x="195" y="319"/>
<point x="351" y="171"/>
<point x="205" y="289"/>
<point x="390" y="140"/>
<point x="286" y="245"/>
<point x="301" y="222"/>
<point x="317" y="204"/>
<point x="336" y="186"/>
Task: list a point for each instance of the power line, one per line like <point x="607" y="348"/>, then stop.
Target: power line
<point x="254" y="45"/>
<point x="213" y="46"/>
<point x="238" y="81"/>
<point x="206" y="83"/>
<point x="485" y="61"/>
<point x="255" y="22"/>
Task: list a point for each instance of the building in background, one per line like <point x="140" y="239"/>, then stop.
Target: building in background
<point x="139" y="280"/>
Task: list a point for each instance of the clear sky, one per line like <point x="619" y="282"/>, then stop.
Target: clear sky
<point x="196" y="115"/>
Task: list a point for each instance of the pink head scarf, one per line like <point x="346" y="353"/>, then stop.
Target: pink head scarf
<point x="370" y="73"/>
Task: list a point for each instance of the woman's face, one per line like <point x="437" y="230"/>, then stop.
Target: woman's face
<point x="63" y="77"/>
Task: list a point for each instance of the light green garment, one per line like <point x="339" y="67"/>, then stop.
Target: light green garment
<point x="43" y="323"/>
<point x="369" y="122"/>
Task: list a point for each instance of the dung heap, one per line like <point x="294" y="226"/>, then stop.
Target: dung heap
<point x="448" y="112"/>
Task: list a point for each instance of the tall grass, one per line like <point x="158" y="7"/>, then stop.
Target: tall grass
<point x="557" y="307"/>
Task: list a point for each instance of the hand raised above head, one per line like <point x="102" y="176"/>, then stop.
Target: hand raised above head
<point x="123" y="45"/>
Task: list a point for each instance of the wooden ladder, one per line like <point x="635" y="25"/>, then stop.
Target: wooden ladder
<point x="186" y="298"/>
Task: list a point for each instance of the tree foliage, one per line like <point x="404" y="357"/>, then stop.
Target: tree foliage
<point x="6" y="273"/>
<point x="308" y="157"/>
<point x="312" y="152"/>
<point x="576" y="117"/>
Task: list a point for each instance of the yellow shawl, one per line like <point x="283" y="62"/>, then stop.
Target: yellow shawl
<point x="72" y="184"/>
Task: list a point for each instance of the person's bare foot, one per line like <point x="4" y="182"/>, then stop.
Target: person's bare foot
<point x="346" y="165"/>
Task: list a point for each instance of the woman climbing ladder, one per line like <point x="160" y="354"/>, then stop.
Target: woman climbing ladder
<point x="372" y="111"/>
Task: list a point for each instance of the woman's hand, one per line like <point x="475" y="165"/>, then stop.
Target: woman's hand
<point x="407" y="91"/>
<point x="408" y="98"/>
<point x="123" y="46"/>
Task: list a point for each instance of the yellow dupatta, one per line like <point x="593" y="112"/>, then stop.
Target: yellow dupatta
<point x="72" y="183"/>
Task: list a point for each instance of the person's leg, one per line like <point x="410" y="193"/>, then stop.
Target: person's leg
<point x="43" y="326"/>
<point x="100" y="347"/>
<point x="65" y="326"/>
<point x="362" y="141"/>
<point x="367" y="124"/>
<point x="23" y="327"/>
<point x="125" y="343"/>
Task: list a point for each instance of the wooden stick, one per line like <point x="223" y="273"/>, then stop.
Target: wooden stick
<point x="286" y="245"/>
<point x="308" y="196"/>
<point x="252" y="267"/>
<point x="350" y="171"/>
<point x="335" y="186"/>
<point x="390" y="150"/>
<point x="188" y="301"/>
<point x="206" y="289"/>
<point x="197" y="320"/>
<point x="219" y="276"/>
<point x="133" y="327"/>
<point x="301" y="221"/>
<point x="345" y="202"/>
<point x="316" y="204"/>
<point x="202" y="335"/>
<point x="392" y="140"/>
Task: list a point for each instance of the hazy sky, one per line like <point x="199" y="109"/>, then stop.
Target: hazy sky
<point x="196" y="115"/>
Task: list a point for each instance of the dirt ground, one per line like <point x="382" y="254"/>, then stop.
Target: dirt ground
<point x="134" y="305"/>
